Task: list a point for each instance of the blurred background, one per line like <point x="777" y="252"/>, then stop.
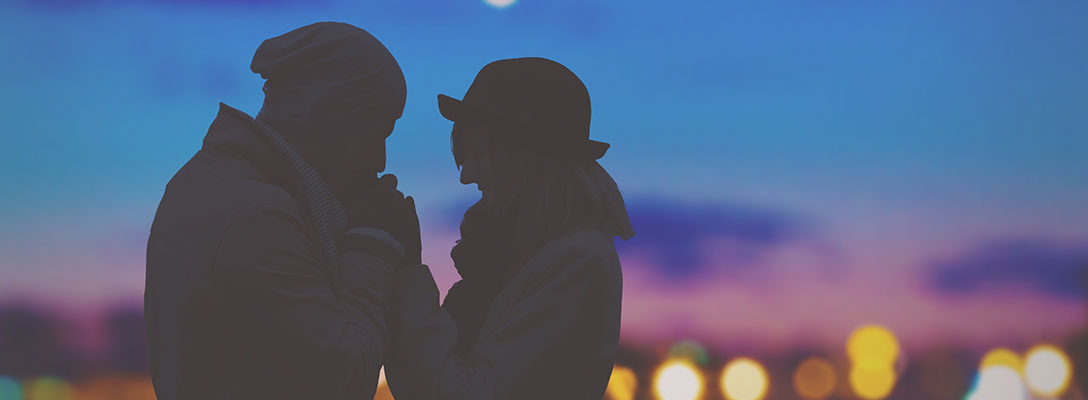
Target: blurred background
<point x="833" y="199"/>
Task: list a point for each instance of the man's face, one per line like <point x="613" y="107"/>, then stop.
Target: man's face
<point x="352" y="156"/>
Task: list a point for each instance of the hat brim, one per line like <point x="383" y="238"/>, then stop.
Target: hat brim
<point x="594" y="150"/>
<point x="449" y="107"/>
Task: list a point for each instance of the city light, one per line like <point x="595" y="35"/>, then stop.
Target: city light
<point x="998" y="382"/>
<point x="678" y="380"/>
<point x="1047" y="371"/>
<point x="10" y="389"/>
<point x="690" y="350"/>
<point x="744" y="379"/>
<point x="622" y="385"/>
<point x="815" y="379"/>
<point x="382" y="393"/>
<point x="872" y="383"/>
<point x="1002" y="356"/>
<point x="48" y="388"/>
<point x="873" y="351"/>
<point x="114" y="387"/>
<point x="873" y="344"/>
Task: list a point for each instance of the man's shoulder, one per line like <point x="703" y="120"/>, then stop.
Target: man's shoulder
<point x="209" y="192"/>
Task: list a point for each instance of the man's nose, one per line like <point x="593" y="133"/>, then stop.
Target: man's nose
<point x="377" y="159"/>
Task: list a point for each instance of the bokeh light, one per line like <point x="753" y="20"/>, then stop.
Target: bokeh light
<point x="115" y="387"/>
<point x="744" y="379"/>
<point x="815" y="379"/>
<point x="48" y="388"/>
<point x="1002" y="356"/>
<point x="873" y="350"/>
<point x="10" y="389"/>
<point x="499" y="3"/>
<point x="872" y="346"/>
<point x="383" y="392"/>
<point x="678" y="379"/>
<point x="872" y="383"/>
<point x="690" y="350"/>
<point x="1047" y="370"/>
<point x="998" y="382"/>
<point x="622" y="385"/>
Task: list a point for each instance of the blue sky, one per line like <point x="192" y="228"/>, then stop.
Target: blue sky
<point x="916" y="131"/>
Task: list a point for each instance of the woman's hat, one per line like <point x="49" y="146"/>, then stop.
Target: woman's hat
<point x="532" y="102"/>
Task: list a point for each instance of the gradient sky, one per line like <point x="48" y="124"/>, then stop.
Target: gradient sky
<point x="794" y="168"/>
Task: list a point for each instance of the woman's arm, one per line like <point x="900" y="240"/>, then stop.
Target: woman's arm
<point x="562" y="334"/>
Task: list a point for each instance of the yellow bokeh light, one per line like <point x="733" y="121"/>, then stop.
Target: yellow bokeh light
<point x="872" y="383"/>
<point x="678" y="380"/>
<point x="114" y="387"/>
<point x="622" y="385"/>
<point x="48" y="388"/>
<point x="874" y="346"/>
<point x="998" y="382"/>
<point x="815" y="379"/>
<point x="744" y="379"/>
<point x="1047" y="370"/>
<point x="1001" y="356"/>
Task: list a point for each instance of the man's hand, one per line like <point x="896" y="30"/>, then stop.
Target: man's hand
<point x="389" y="210"/>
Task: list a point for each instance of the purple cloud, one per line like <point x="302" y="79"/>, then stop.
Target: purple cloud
<point x="674" y="233"/>
<point x="1055" y="269"/>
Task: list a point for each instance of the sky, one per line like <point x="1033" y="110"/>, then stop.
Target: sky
<point x="794" y="169"/>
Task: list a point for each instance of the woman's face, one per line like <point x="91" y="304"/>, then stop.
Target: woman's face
<point x="477" y="164"/>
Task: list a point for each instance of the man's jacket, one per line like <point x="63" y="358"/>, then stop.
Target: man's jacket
<point x="240" y="300"/>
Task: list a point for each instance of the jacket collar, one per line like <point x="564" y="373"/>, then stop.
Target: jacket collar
<point x="234" y="134"/>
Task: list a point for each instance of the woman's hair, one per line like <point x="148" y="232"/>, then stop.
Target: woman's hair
<point x="541" y="198"/>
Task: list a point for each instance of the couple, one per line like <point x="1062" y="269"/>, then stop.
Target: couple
<point x="280" y="267"/>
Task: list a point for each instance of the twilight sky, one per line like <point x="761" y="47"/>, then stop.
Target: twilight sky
<point x="794" y="168"/>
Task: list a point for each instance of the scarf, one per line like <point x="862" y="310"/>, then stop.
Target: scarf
<point x="485" y="258"/>
<point x="329" y="219"/>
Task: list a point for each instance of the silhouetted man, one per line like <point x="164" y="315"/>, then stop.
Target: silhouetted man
<point x="273" y="251"/>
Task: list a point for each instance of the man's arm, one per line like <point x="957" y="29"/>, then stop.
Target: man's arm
<point x="307" y="337"/>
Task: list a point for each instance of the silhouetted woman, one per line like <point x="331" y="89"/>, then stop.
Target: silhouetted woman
<point x="536" y="314"/>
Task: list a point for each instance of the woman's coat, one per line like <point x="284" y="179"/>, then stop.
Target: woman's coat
<point x="551" y="333"/>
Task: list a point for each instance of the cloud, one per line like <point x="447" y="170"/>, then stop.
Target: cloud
<point x="681" y="239"/>
<point x="1059" y="270"/>
<point x="674" y="234"/>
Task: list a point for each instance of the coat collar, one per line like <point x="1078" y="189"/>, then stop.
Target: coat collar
<point x="233" y="134"/>
<point x="236" y="134"/>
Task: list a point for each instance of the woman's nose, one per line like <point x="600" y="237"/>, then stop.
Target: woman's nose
<point x="468" y="174"/>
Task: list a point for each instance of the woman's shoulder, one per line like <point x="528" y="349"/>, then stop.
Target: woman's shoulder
<point x="588" y="241"/>
<point x="579" y="249"/>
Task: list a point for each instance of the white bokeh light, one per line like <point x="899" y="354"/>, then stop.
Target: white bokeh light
<point x="1047" y="371"/>
<point x="744" y="379"/>
<point x="678" y="380"/>
<point x="499" y="3"/>
<point x="998" y="382"/>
